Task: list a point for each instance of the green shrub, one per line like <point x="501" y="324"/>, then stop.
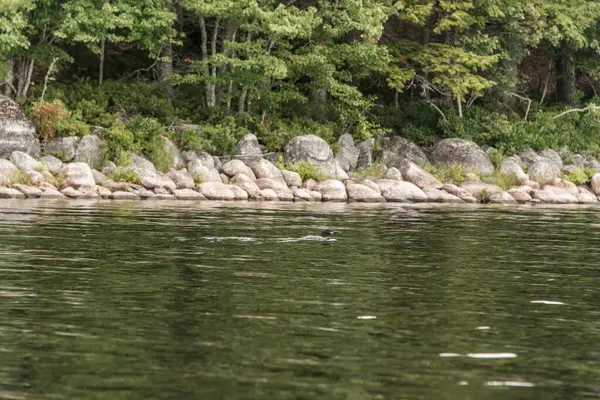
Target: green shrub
<point x="54" y="119"/>
<point x="580" y="176"/>
<point x="56" y="180"/>
<point x="276" y="134"/>
<point x="120" y="143"/>
<point x="376" y="170"/>
<point x="125" y="174"/>
<point x="447" y="174"/>
<point x="305" y="169"/>
<point x="158" y="153"/>
<point x="219" y="139"/>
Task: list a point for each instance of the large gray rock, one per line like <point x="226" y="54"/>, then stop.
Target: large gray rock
<point x="502" y="198"/>
<point x="363" y="194"/>
<point x="90" y="150"/>
<point x="400" y="149"/>
<point x="311" y="149"/>
<point x="205" y="159"/>
<point x="347" y="155"/>
<point x="268" y="195"/>
<point x="204" y="171"/>
<point x="554" y="195"/>
<point x="176" y="159"/>
<point x="543" y="171"/>
<point x="277" y="186"/>
<point x="248" y="149"/>
<point x="393" y="173"/>
<point x="54" y="164"/>
<point x="216" y="191"/>
<point x="291" y="178"/>
<point x="29" y="191"/>
<point x="401" y="192"/>
<point x="566" y="185"/>
<point x="411" y="172"/>
<point x="441" y="196"/>
<point x="24" y="161"/>
<point x="246" y="183"/>
<point x="596" y="184"/>
<point x="17" y="132"/>
<point x="139" y="162"/>
<point x="332" y="190"/>
<point x="528" y="156"/>
<point x="10" y="193"/>
<point x="63" y="148"/>
<point x="479" y="189"/>
<point x="182" y="179"/>
<point x="266" y="169"/>
<point x="77" y="175"/>
<point x="187" y="194"/>
<point x="459" y="192"/>
<point x="461" y="152"/>
<point x="7" y="168"/>
<point x="365" y="153"/>
<point x="153" y="179"/>
<point x="552" y="156"/>
<point x="509" y="166"/>
<point x="585" y="196"/>
<point x="234" y="167"/>
<point x="239" y="193"/>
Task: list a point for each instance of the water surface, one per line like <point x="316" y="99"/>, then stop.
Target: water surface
<point x="160" y="300"/>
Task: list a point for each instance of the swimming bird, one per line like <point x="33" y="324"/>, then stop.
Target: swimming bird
<point x="324" y="237"/>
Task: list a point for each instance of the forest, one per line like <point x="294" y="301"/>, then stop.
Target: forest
<point x="508" y="74"/>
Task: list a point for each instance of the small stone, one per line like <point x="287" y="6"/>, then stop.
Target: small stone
<point x="240" y="194"/>
<point x="71" y="192"/>
<point x="394" y="174"/>
<point x="502" y="198"/>
<point x="52" y="194"/>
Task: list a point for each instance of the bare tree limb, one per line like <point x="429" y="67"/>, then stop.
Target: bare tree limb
<point x="529" y="101"/>
<point x="438" y="109"/>
<point x="572" y="110"/>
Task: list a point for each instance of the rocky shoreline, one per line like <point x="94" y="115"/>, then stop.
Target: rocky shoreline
<point x="75" y="168"/>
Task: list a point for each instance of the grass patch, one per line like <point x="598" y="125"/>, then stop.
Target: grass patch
<point x="502" y="179"/>
<point x="580" y="176"/>
<point x="376" y="170"/>
<point x="20" y="178"/>
<point x="198" y="180"/>
<point x="124" y="174"/>
<point x="454" y="174"/>
<point x="56" y="180"/>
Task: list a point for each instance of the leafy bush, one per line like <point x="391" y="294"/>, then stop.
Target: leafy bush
<point x="56" y="180"/>
<point x="120" y="143"/>
<point x="580" y="176"/>
<point x="219" y="139"/>
<point x="53" y="118"/>
<point x="305" y="169"/>
<point x="276" y="134"/>
<point x="125" y="174"/>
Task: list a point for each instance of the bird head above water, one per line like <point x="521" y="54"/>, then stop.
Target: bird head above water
<point x="329" y="232"/>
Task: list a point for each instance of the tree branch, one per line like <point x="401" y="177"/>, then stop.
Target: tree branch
<point x="572" y="110"/>
<point x="524" y="99"/>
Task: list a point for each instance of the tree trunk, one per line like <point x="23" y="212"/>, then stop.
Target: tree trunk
<point x="242" y="101"/>
<point x="10" y="77"/>
<point x="211" y="86"/>
<point x="102" y="56"/>
<point x="165" y="68"/>
<point x="566" y="83"/>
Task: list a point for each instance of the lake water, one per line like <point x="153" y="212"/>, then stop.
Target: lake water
<point x="160" y="300"/>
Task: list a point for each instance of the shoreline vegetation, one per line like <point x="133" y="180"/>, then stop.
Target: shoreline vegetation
<point x="313" y="100"/>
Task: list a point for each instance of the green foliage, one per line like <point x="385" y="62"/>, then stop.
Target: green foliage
<point x="276" y="134"/>
<point x="580" y="176"/>
<point x="305" y="169"/>
<point x="125" y="174"/>
<point x="447" y="174"/>
<point x="504" y="180"/>
<point x="56" y="180"/>
<point x="376" y="170"/>
<point x="120" y="144"/>
<point x="20" y="177"/>
<point x="218" y="139"/>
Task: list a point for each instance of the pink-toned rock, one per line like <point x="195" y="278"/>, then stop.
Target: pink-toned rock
<point x="566" y="185"/>
<point x="240" y="194"/>
<point x="502" y="198"/>
<point x="364" y="194"/>
<point x="187" y="194"/>
<point x="461" y="193"/>
<point x="521" y="196"/>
